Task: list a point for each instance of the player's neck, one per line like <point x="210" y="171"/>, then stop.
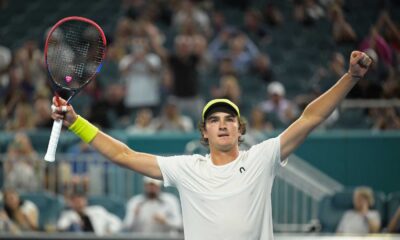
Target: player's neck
<point x="222" y="157"/>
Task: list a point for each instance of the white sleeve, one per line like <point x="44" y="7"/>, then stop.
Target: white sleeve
<point x="174" y="168"/>
<point x="267" y="155"/>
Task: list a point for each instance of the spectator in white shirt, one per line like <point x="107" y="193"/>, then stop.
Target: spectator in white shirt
<point x="84" y="218"/>
<point x="153" y="211"/>
<point x="172" y="120"/>
<point x="361" y="219"/>
<point x="17" y="214"/>
<point x="141" y="72"/>
<point x="277" y="105"/>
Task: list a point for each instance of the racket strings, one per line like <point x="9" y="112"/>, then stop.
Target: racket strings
<point x="75" y="53"/>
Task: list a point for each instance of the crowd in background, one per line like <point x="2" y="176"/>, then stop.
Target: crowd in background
<point x="152" y="81"/>
<point x="153" y="211"/>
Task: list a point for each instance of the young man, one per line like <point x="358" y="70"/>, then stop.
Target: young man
<point x="226" y="194"/>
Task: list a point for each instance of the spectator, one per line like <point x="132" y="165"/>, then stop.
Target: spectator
<point x="342" y="31"/>
<point x="394" y="223"/>
<point x="171" y="119"/>
<point x="241" y="50"/>
<point x="110" y="111"/>
<point x="141" y="71"/>
<point x="28" y="62"/>
<point x="277" y="106"/>
<point x="14" y="93"/>
<point x="124" y="32"/>
<point x="263" y="68"/>
<point x="41" y="112"/>
<point x="226" y="68"/>
<point x="307" y="12"/>
<point x="375" y="41"/>
<point x="259" y="122"/>
<point x="272" y="15"/>
<point x="144" y="122"/>
<point x="326" y="76"/>
<point x="188" y="11"/>
<point x="22" y="119"/>
<point x="391" y="88"/>
<point x="218" y="22"/>
<point x="183" y="66"/>
<point x="79" y="155"/>
<point x="5" y="61"/>
<point x="19" y="215"/>
<point x="361" y="219"/>
<point x="110" y="67"/>
<point x="387" y="27"/>
<point x="197" y="43"/>
<point x="23" y="168"/>
<point x="133" y="9"/>
<point x="229" y="89"/>
<point x="83" y="218"/>
<point x="154" y="211"/>
<point x="255" y="28"/>
<point x="155" y="37"/>
<point x="384" y="118"/>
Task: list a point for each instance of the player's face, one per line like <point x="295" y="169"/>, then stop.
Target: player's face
<point x="222" y="131"/>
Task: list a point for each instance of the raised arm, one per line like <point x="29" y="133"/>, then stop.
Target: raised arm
<point x="318" y="110"/>
<point x="108" y="146"/>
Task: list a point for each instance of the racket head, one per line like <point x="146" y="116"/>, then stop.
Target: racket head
<point x="74" y="50"/>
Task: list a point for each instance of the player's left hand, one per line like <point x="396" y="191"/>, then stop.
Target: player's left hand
<point x="359" y="64"/>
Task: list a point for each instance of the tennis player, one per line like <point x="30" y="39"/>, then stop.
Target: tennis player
<point x="227" y="193"/>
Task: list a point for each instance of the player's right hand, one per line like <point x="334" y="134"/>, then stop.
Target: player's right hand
<point x="62" y="110"/>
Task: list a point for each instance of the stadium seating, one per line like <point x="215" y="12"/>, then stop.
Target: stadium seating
<point x="42" y="14"/>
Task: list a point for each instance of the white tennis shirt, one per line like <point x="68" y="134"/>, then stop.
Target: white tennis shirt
<point x="231" y="201"/>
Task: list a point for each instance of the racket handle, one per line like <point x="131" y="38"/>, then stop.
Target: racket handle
<point x="53" y="142"/>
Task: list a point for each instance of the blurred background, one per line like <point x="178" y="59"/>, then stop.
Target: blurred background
<point x="164" y="60"/>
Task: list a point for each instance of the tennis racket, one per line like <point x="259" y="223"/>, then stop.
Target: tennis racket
<point x="74" y="51"/>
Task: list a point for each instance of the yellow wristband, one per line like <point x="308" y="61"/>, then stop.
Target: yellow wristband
<point x="84" y="129"/>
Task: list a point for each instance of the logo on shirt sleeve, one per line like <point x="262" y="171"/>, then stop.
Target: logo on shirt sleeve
<point x="242" y="170"/>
